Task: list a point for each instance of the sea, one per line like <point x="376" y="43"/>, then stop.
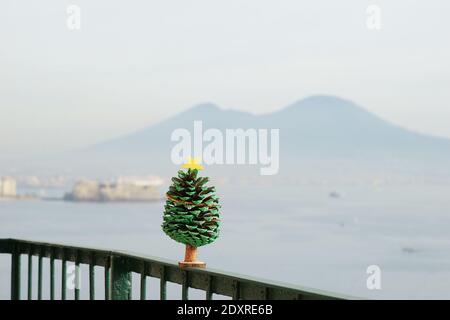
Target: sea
<point x="317" y="236"/>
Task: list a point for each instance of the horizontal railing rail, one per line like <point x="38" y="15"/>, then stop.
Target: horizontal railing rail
<point x="118" y="268"/>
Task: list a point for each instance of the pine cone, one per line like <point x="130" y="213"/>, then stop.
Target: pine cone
<point x="191" y="213"/>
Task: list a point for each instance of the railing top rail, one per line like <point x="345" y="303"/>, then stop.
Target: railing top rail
<point x="84" y="255"/>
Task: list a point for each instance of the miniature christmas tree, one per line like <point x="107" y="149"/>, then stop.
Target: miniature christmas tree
<point x="191" y="213"/>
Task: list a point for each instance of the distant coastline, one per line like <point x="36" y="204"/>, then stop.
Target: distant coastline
<point x="123" y="190"/>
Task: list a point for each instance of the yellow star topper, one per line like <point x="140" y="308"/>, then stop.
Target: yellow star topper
<point x="193" y="164"/>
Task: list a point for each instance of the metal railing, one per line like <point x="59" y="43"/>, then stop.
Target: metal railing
<point x="118" y="268"/>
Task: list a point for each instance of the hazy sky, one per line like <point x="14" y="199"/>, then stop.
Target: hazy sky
<point x="134" y="63"/>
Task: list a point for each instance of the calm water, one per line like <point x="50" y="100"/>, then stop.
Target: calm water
<point x="298" y="235"/>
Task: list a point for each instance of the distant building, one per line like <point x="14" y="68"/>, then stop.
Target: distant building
<point x="8" y="187"/>
<point x="125" y="189"/>
<point x="148" y="181"/>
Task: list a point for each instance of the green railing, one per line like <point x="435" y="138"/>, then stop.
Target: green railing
<point x="118" y="267"/>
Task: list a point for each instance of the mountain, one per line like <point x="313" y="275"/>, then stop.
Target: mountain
<point x="318" y="130"/>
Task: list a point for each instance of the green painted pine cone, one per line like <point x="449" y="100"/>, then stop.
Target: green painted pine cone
<point x="191" y="214"/>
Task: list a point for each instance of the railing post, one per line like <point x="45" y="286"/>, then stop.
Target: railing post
<point x="63" y="275"/>
<point x="185" y="285"/>
<point x="40" y="275"/>
<point x="30" y="276"/>
<point x="163" y="283"/>
<point x="15" y="274"/>
<point x="108" y="278"/>
<point x="121" y="279"/>
<point x="77" y="276"/>
<point x="52" y="274"/>
<point x="209" y="290"/>
<point x="236" y="290"/>
<point x="92" y="277"/>
<point x="144" y="280"/>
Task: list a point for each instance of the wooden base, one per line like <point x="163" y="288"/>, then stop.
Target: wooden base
<point x="190" y="259"/>
<point x="193" y="264"/>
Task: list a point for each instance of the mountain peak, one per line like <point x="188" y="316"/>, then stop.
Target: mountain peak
<point x="205" y="107"/>
<point x="322" y="101"/>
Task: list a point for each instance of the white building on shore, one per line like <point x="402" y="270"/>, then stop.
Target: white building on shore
<point x="8" y="187"/>
<point x="124" y="189"/>
<point x="147" y="181"/>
